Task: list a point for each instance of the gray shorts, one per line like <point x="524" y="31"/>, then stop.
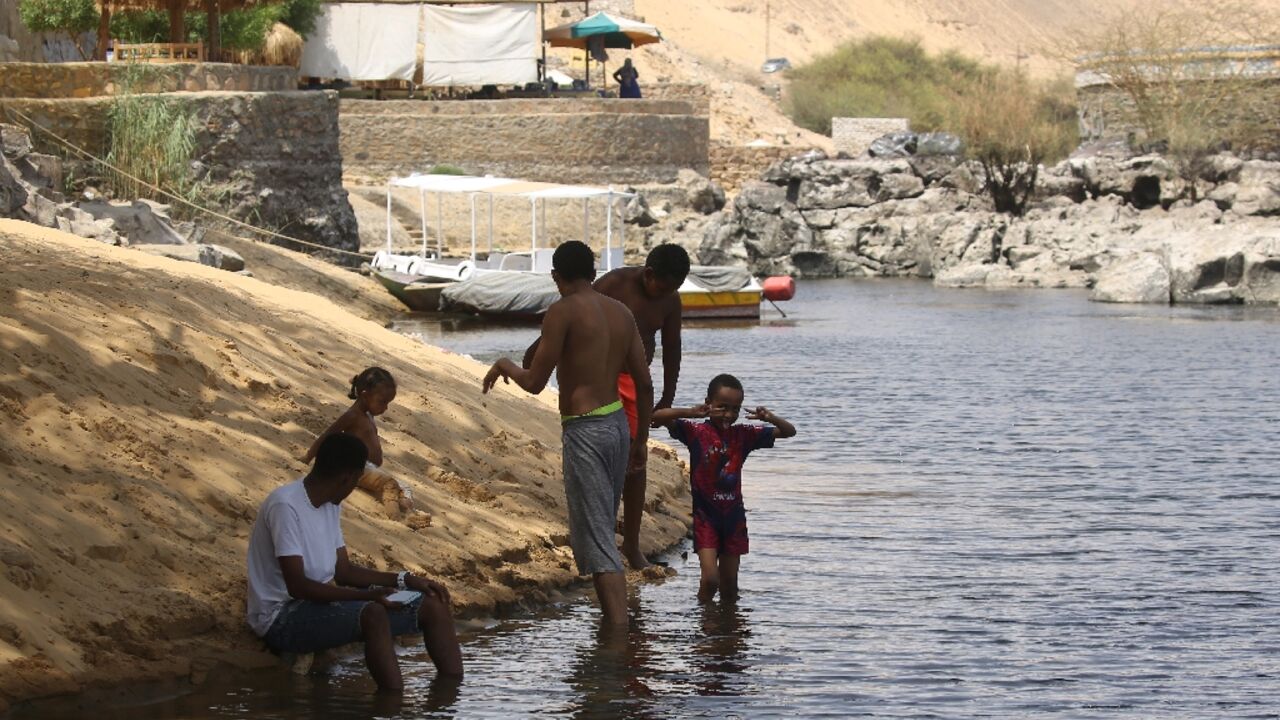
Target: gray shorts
<point x="595" y="468"/>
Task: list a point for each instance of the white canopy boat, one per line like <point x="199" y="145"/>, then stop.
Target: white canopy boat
<point x="435" y="267"/>
<point x="475" y="285"/>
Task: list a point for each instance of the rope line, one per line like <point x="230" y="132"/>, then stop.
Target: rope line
<point x="181" y="200"/>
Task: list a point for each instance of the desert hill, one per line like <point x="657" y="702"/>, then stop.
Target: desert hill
<point x="722" y="43"/>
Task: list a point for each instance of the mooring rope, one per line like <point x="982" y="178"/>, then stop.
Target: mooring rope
<point x="30" y="123"/>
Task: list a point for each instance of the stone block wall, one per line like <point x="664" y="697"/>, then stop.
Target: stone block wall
<point x="696" y="94"/>
<point x="591" y="140"/>
<point x="1106" y="113"/>
<point x="733" y="166"/>
<point x="270" y="159"/>
<point x="93" y="79"/>
<point x="855" y="135"/>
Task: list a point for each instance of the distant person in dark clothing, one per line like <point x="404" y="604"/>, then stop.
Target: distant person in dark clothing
<point x="628" y="80"/>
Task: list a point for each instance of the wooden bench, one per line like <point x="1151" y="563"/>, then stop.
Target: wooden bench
<point x="160" y="52"/>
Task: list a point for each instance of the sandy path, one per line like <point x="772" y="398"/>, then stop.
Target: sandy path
<point x="149" y="405"/>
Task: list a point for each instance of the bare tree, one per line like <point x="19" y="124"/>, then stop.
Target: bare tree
<point x="1192" y="75"/>
<point x="1011" y="126"/>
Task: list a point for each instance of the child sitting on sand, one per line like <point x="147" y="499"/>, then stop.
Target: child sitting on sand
<point x="373" y="390"/>
<point x="717" y="450"/>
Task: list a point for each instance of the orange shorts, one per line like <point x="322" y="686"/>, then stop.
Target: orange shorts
<point x="627" y="394"/>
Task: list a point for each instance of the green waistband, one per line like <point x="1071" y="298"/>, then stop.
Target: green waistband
<point x="612" y="407"/>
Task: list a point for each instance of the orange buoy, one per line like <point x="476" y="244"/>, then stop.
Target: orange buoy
<point x="779" y="288"/>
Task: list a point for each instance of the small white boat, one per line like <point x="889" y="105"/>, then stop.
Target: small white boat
<point x="709" y="292"/>
<point x="434" y="266"/>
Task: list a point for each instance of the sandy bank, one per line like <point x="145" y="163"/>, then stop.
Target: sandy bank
<point x="149" y="405"/>
<point x="360" y="294"/>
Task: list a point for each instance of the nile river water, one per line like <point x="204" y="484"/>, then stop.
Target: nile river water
<point x="999" y="504"/>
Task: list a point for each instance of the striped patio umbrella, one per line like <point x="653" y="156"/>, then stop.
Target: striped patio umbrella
<point x="618" y="32"/>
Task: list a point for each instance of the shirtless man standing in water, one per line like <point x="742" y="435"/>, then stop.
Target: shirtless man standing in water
<point x="589" y="339"/>
<point x="650" y="294"/>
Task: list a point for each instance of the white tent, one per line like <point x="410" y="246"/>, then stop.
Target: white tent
<point x="480" y="44"/>
<point x="491" y="44"/>
<point x="363" y="41"/>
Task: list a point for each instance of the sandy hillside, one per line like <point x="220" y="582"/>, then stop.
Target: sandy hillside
<point x="1000" y="31"/>
<point x="359" y="294"/>
<point x="149" y="405"/>
<point x="721" y="43"/>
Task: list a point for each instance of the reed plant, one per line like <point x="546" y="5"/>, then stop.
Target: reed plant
<point x="150" y="137"/>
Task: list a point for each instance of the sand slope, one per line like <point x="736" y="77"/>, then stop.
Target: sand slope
<point x="362" y="295"/>
<point x="149" y="405"/>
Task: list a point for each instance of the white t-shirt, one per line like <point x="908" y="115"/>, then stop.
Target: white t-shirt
<point x="288" y="525"/>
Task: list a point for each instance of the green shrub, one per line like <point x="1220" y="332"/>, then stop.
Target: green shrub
<point x="244" y="29"/>
<point x="879" y="77"/>
<point x="446" y="170"/>
<point x="142" y="26"/>
<point x="301" y="15"/>
<point x="74" y="17"/>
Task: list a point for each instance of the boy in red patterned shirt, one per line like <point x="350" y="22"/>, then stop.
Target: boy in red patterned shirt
<point x="717" y="450"/>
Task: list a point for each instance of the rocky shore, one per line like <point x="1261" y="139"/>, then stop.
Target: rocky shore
<point x="1118" y="224"/>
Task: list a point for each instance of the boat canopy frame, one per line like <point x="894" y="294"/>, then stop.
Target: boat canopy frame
<point x="537" y="193"/>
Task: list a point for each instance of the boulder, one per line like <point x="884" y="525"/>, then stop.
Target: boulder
<point x="1257" y="190"/>
<point x="1060" y="181"/>
<point x="762" y="196"/>
<point x="15" y="143"/>
<point x="1223" y="167"/>
<point x="1141" y="278"/>
<point x="894" y="145"/>
<point x="638" y="212"/>
<point x="834" y="184"/>
<point x="211" y="255"/>
<point x="933" y="168"/>
<point x="142" y="222"/>
<point x="700" y="194"/>
<point x="14" y="191"/>
<point x="1144" y="181"/>
<point x="1261" y="281"/>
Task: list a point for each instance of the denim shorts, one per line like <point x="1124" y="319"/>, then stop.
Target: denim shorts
<point x="308" y="627"/>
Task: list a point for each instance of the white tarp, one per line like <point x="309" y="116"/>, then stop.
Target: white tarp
<point x="363" y="41"/>
<point x="480" y="44"/>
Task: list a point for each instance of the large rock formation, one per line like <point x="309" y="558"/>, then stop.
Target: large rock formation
<point x="1119" y="224"/>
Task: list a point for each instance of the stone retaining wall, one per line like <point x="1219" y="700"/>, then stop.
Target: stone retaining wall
<point x="271" y="159"/>
<point x="93" y="79"/>
<point x="855" y="135"/>
<point x="695" y="94"/>
<point x="592" y="140"/>
<point x="733" y="166"/>
<point x="1106" y="113"/>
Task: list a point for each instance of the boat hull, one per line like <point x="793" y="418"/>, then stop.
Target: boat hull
<point x="722" y="304"/>
<point x="411" y="290"/>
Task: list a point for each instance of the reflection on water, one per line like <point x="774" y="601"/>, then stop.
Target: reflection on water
<point x="999" y="504"/>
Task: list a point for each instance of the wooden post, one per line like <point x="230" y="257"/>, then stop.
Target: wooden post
<point x="104" y="33"/>
<point x="213" y="12"/>
<point x="177" y="28"/>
